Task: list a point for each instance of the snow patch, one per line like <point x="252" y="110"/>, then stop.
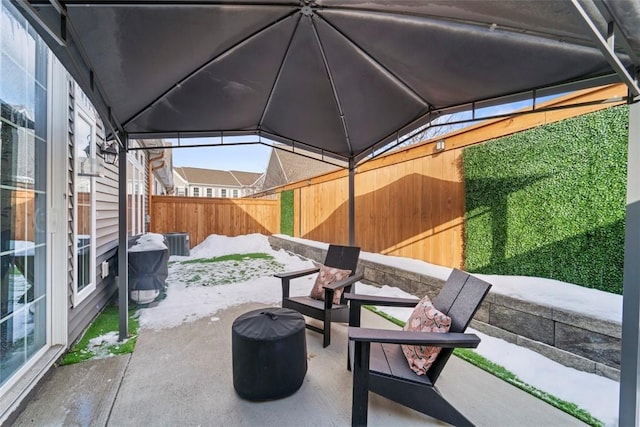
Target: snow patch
<point x="149" y="242"/>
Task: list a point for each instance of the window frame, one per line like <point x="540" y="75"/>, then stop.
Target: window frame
<point x="136" y="190"/>
<point x="78" y="296"/>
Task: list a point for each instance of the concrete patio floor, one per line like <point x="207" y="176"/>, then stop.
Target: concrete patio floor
<point x="182" y="376"/>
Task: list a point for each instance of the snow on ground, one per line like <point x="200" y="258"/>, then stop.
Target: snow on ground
<point x="188" y="299"/>
<point x="100" y="346"/>
<point x="215" y="246"/>
<point x="554" y="293"/>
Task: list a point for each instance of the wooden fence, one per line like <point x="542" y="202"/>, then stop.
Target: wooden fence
<point x="411" y="203"/>
<point x="19" y="214"/>
<point x="412" y="209"/>
<point x="200" y="216"/>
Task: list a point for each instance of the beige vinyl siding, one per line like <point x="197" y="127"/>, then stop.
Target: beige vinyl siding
<point x="81" y="316"/>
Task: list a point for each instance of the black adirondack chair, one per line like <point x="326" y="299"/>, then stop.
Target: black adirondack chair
<point x="342" y="257"/>
<point x="377" y="361"/>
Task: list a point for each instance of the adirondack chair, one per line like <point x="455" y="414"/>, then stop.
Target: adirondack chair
<point x="342" y="257"/>
<point x="377" y="361"/>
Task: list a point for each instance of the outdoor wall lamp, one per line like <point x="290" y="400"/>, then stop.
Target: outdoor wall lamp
<point x="440" y="145"/>
<point x="110" y="152"/>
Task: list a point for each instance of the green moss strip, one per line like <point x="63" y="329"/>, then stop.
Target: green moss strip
<point x="107" y="321"/>
<point x="506" y="375"/>
<point x="232" y="257"/>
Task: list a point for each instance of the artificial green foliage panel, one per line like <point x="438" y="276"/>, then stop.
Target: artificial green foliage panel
<point x="286" y="212"/>
<point x="550" y="201"/>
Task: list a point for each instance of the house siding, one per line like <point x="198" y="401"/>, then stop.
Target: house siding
<point x="81" y="315"/>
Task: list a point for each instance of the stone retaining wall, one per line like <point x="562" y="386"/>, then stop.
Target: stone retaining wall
<point x="573" y="339"/>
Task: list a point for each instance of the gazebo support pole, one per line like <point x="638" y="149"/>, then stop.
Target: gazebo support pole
<point x="630" y="357"/>
<point x="123" y="262"/>
<point x="352" y="202"/>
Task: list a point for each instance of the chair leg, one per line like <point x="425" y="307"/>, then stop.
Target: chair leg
<point x="360" y="403"/>
<point x="441" y="409"/>
<point x="326" y="333"/>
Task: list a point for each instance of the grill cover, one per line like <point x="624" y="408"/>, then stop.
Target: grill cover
<point x="148" y="270"/>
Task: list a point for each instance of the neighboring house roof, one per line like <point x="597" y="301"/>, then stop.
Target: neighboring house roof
<point x="285" y="167"/>
<point x="212" y="177"/>
<point x="179" y="179"/>
<point x="246" y="178"/>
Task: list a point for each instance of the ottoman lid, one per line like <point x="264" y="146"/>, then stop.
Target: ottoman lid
<point x="268" y="324"/>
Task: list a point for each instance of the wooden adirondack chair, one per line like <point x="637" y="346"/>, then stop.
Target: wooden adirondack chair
<point x="342" y="257"/>
<point x="377" y="361"/>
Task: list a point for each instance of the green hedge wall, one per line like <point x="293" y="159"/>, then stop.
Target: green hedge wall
<point x="286" y="213"/>
<point x="550" y="201"/>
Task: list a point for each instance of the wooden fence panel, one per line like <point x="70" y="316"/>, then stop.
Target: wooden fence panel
<point x="21" y="212"/>
<point x="413" y="208"/>
<point x="201" y="216"/>
<point x="410" y="203"/>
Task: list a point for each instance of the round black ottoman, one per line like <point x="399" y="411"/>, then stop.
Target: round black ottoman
<point x="269" y="350"/>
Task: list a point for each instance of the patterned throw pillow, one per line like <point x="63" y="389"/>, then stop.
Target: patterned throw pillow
<point x="326" y="276"/>
<point x="425" y="318"/>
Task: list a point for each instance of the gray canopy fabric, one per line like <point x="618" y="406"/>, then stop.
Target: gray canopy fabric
<point x="341" y="77"/>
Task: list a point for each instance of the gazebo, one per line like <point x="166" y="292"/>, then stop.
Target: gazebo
<point x="344" y="80"/>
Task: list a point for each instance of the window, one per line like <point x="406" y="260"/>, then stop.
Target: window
<point x="223" y="192"/>
<point x="209" y="192"/>
<point x="182" y="191"/>
<point x="196" y="191"/>
<point x="23" y="192"/>
<point x="136" y="190"/>
<point x="235" y="193"/>
<point x="84" y="181"/>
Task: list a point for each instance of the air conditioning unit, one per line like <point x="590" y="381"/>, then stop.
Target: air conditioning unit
<point x="178" y="243"/>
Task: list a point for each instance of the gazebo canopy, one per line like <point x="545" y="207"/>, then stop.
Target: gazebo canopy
<point x="343" y="78"/>
<point x="338" y="77"/>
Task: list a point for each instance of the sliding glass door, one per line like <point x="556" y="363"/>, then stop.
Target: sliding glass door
<point x="23" y="172"/>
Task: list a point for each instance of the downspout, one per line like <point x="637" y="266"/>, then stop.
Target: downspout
<point x="160" y="166"/>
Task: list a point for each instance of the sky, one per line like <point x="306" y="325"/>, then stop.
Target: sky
<point x="246" y="158"/>
<point x="255" y="157"/>
<point x="185" y="303"/>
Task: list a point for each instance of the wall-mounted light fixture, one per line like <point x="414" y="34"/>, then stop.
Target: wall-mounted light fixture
<point x="440" y="145"/>
<point x="110" y="152"/>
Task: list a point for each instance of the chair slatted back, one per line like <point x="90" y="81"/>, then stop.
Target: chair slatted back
<point x="343" y="257"/>
<point x="459" y="299"/>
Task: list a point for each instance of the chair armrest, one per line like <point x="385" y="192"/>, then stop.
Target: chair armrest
<point x="287" y="276"/>
<point x="344" y="282"/>
<point x="295" y="274"/>
<point x="436" y="339"/>
<point x="358" y="300"/>
<point x="362" y="299"/>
